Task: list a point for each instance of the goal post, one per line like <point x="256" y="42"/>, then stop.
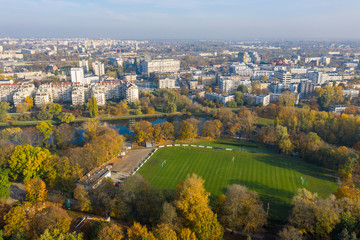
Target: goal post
<point x="303" y="181"/>
<point x="163" y="163"/>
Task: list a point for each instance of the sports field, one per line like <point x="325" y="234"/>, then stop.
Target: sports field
<point x="275" y="177"/>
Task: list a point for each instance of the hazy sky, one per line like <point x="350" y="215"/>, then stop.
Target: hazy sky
<point x="181" y="19"/>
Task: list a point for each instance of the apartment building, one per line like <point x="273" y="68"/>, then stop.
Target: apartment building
<point x="168" y="83"/>
<point x="226" y="84"/>
<point x="162" y="65"/>
<point x="98" y="68"/>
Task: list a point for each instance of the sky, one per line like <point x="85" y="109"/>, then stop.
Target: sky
<point x="182" y="19"/>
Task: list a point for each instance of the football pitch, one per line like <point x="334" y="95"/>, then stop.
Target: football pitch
<point x="275" y="177"/>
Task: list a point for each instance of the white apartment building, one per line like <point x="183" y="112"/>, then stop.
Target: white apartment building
<point x="284" y="76"/>
<point x="84" y="64"/>
<point x="99" y="68"/>
<point x="41" y="98"/>
<point x="130" y="92"/>
<point x="77" y="75"/>
<point x="26" y="90"/>
<point x="222" y="98"/>
<point x="226" y="84"/>
<point x="167" y="83"/>
<point x="351" y="93"/>
<point x="99" y="94"/>
<point x="262" y="99"/>
<point x="78" y="96"/>
<point x="1" y="49"/>
<point x="162" y="65"/>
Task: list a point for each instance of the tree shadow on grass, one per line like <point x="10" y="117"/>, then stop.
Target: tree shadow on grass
<point x="296" y="165"/>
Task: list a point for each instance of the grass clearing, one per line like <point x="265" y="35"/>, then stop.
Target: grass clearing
<point x="275" y="177"/>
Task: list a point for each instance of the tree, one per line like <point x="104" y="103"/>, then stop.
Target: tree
<point x="17" y="219"/>
<point x="66" y="117"/>
<point x="137" y="232"/>
<point x="164" y="232"/>
<point x="111" y="231"/>
<point x="4" y="184"/>
<point x="93" y="107"/>
<point x="242" y="210"/>
<point x="57" y="235"/>
<point x="187" y="234"/>
<point x="290" y="233"/>
<point x="138" y="111"/>
<point x="27" y="162"/>
<point x="48" y="216"/>
<point x="192" y="203"/>
<point x="247" y="119"/>
<point x="35" y="190"/>
<point x="212" y="129"/>
<point x="354" y="110"/>
<point x="171" y="107"/>
<point x="82" y="196"/>
<point x="239" y="98"/>
<point x="46" y="129"/>
<point x="22" y="107"/>
<point x="4" y="108"/>
<point x="143" y="131"/>
<point x="169" y="216"/>
<point x="284" y="142"/>
<point x="29" y="101"/>
<point x="186" y="130"/>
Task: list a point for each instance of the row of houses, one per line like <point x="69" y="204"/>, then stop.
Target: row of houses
<point x="74" y="93"/>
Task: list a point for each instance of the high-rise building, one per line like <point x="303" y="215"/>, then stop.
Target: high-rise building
<point x="226" y="84"/>
<point x="84" y="64"/>
<point x="99" y="68"/>
<point x="1" y="49"/>
<point x="168" y="83"/>
<point x="77" y="75"/>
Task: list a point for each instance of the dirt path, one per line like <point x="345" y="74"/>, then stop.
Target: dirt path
<point x="123" y="167"/>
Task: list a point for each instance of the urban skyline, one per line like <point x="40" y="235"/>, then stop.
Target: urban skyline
<point x="143" y="19"/>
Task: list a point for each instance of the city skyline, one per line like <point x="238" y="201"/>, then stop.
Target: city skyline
<point x="144" y="19"/>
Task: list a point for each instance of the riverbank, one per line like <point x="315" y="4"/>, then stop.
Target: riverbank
<point x="84" y="119"/>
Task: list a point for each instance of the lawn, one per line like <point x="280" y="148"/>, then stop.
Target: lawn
<point x="275" y="177"/>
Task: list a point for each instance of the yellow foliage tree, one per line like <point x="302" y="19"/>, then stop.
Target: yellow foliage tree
<point x="36" y="190"/>
<point x="187" y="234"/>
<point x="192" y="202"/>
<point x="112" y="231"/>
<point x="137" y="232"/>
<point x="164" y="232"/>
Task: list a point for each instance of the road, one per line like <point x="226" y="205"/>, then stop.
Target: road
<point x="123" y="167"/>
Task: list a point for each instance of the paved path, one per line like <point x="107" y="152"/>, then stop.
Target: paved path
<point x="125" y="166"/>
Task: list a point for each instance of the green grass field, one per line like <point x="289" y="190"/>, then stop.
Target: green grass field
<point x="275" y="177"/>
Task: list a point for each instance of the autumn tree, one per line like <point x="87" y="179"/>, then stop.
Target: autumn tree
<point x="17" y="219"/>
<point x="247" y="120"/>
<point x="284" y="142"/>
<point x="192" y="203"/>
<point x="143" y="131"/>
<point x="27" y="162"/>
<point x="57" y="235"/>
<point x="242" y="210"/>
<point x="186" y="131"/>
<point x="187" y="234"/>
<point x="35" y="190"/>
<point x="93" y="107"/>
<point x="66" y="117"/>
<point x="164" y="232"/>
<point x="49" y="216"/>
<point x="46" y="129"/>
<point x="111" y="231"/>
<point x="169" y="216"/>
<point x="137" y="231"/>
<point x="29" y="101"/>
<point x="82" y="196"/>
<point x="212" y="129"/>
